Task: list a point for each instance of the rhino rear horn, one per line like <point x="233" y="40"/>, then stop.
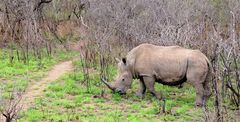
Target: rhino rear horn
<point x="107" y="84"/>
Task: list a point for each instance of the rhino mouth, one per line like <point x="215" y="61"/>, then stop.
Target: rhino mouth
<point x="119" y="91"/>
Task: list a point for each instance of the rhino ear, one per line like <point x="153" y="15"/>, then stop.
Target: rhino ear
<point x="124" y="60"/>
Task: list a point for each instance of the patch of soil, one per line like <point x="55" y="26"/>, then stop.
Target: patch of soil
<point x="36" y="89"/>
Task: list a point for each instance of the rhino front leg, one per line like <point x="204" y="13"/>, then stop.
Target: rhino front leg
<point x="150" y="82"/>
<point x="142" y="89"/>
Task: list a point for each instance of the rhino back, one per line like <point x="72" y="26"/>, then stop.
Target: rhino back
<point x="168" y="63"/>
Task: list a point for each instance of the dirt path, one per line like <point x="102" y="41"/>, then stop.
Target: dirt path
<point x="36" y="89"/>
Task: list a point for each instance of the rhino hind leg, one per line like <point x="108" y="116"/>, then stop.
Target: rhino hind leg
<point x="199" y="87"/>
<point x="142" y="89"/>
<point x="196" y="75"/>
<point x="149" y="83"/>
<point x="198" y="83"/>
<point x="207" y="90"/>
<point x="199" y="95"/>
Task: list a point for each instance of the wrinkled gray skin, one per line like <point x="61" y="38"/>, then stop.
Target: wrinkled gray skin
<point x="168" y="65"/>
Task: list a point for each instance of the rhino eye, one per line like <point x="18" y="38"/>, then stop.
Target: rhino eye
<point x="123" y="79"/>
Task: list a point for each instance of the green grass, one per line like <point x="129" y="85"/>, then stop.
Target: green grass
<point x="18" y="68"/>
<point x="18" y="74"/>
<point x="67" y="99"/>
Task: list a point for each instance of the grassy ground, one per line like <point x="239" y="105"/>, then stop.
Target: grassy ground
<point x="67" y="99"/>
<point x="18" y="74"/>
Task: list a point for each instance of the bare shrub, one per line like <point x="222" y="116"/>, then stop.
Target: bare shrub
<point x="22" y="28"/>
<point x="113" y="27"/>
<point x="9" y="105"/>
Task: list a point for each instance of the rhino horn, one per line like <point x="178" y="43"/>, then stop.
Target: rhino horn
<point x="107" y="84"/>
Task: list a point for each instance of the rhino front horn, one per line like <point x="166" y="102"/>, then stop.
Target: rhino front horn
<point x="107" y="84"/>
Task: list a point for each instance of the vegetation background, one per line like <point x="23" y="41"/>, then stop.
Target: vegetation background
<point x="37" y="34"/>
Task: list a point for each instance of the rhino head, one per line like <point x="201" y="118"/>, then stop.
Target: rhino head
<point x="123" y="81"/>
